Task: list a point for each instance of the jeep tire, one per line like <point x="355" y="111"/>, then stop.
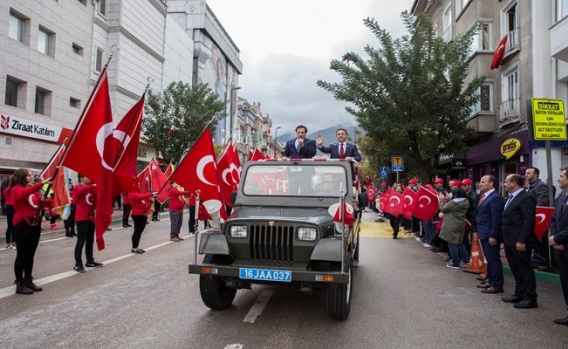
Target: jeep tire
<point x="339" y="295"/>
<point x="214" y="293"/>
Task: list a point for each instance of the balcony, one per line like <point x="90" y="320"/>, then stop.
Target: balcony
<point x="510" y="112"/>
<point x="513" y="41"/>
<point x="482" y="123"/>
<point x="559" y="40"/>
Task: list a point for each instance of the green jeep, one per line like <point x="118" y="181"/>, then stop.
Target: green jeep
<point x="285" y="227"/>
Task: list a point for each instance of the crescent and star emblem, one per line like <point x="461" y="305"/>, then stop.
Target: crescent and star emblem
<point x="88" y="198"/>
<point x="31" y="201"/>
<point x="392" y="200"/>
<point x="410" y="200"/>
<point x="420" y="201"/>
<point x="540" y="217"/>
<point x="224" y="175"/>
<point x="201" y="167"/>
<point x="105" y="131"/>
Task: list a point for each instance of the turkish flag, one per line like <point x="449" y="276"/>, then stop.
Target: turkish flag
<point x="60" y="194"/>
<point x="158" y="181"/>
<point x="169" y="170"/>
<point x="227" y="171"/>
<point x="371" y="191"/>
<point x="383" y="199"/>
<point x="144" y="180"/>
<point x="393" y="204"/>
<point x="257" y="155"/>
<point x="198" y="171"/>
<point x="499" y="53"/>
<point x="92" y="152"/>
<point x="127" y="133"/>
<point x="425" y="205"/>
<point x="408" y="202"/>
<point x="542" y="221"/>
<point x="346" y="212"/>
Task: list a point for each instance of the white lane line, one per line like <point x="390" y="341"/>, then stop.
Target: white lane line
<point x="10" y="290"/>
<point x="258" y="307"/>
<point x="56" y="239"/>
<point x="234" y="346"/>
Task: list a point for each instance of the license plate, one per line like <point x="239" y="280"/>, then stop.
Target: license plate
<point x="265" y="274"/>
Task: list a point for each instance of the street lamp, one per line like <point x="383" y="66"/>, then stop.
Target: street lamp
<point x="276" y="139"/>
<point x="231" y="113"/>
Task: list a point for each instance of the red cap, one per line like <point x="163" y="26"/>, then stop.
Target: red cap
<point x="467" y="181"/>
<point x="439" y="180"/>
<point x="455" y="183"/>
<point x="412" y="181"/>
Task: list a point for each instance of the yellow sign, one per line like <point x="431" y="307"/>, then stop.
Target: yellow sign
<point x="397" y="160"/>
<point x="549" y="119"/>
<point x="510" y="147"/>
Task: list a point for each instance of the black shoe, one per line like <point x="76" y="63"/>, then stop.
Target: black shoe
<point x="69" y="235"/>
<point x="436" y="249"/>
<point x="512" y="299"/>
<point x="394" y="237"/>
<point x="563" y="321"/>
<point x="137" y="250"/>
<point x="94" y="264"/>
<point x="526" y="304"/>
<point x="129" y="225"/>
<point x="79" y="269"/>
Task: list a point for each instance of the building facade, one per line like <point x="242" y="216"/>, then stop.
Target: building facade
<point x="532" y="66"/>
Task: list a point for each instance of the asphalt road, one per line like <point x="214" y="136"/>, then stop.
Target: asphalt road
<point x="403" y="297"/>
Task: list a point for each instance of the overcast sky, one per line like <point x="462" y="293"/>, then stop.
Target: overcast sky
<point x="287" y="45"/>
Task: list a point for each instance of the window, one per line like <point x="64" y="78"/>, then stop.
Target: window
<point x="77" y="49"/>
<point x="16" y="30"/>
<point x="482" y="40"/>
<point x="45" y="41"/>
<point x="15" y="92"/>
<point x="511" y="22"/>
<point x="447" y="23"/>
<point x="460" y="5"/>
<point x="74" y="102"/>
<point x="561" y="9"/>
<point x="42" y="101"/>
<point x="485" y="101"/>
<point x="511" y="95"/>
<point x="99" y="60"/>
<point x="102" y="7"/>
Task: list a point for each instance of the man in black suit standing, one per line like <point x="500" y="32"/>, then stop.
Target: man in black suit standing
<point x="517" y="227"/>
<point x="300" y="147"/>
<point x="340" y="150"/>
<point x="559" y="236"/>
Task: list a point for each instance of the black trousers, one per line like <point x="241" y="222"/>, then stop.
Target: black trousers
<point x="27" y="240"/>
<point x="126" y="208"/>
<point x="191" y="219"/>
<point x="520" y="264"/>
<point x="85" y="238"/>
<point x="139" y="225"/>
<point x="157" y="208"/>
<point x="395" y="223"/>
<point x="10" y="221"/>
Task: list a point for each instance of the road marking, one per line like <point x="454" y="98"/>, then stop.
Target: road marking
<point x="234" y="346"/>
<point x="10" y="290"/>
<point x="258" y="307"/>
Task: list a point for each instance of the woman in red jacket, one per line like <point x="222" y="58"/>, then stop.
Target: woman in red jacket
<point x="140" y="205"/>
<point x="27" y="227"/>
<point x="85" y="199"/>
<point x="177" y="203"/>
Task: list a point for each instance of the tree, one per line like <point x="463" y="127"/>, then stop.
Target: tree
<point x="175" y="118"/>
<point x="410" y="95"/>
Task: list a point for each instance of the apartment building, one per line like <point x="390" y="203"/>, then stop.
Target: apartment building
<point x="532" y="66"/>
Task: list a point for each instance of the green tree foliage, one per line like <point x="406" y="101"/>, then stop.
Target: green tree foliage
<point x="410" y="94"/>
<point x="175" y="118"/>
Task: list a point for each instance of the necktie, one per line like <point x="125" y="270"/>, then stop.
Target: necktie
<point x="341" y="151"/>
<point x="509" y="199"/>
<point x="298" y="146"/>
<point x="481" y="200"/>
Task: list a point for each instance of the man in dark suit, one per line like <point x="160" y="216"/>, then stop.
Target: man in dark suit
<point x="539" y="190"/>
<point x="559" y="236"/>
<point x="340" y="150"/>
<point x="300" y="147"/>
<point x="517" y="227"/>
<point x="488" y="219"/>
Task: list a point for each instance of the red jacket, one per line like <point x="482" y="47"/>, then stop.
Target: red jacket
<point x="139" y="203"/>
<point x="177" y="201"/>
<point x="85" y="199"/>
<point x="7" y="196"/>
<point x="26" y="201"/>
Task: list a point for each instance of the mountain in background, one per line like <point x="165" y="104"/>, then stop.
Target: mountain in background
<point x="328" y="134"/>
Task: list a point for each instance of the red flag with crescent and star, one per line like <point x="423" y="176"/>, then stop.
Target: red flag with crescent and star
<point x="347" y="213"/>
<point x="542" y="221"/>
<point x="499" y="53"/>
<point x="408" y="202"/>
<point x="425" y="205"/>
<point x="128" y="133"/>
<point x="144" y="180"/>
<point x="158" y="181"/>
<point x="198" y="171"/>
<point x="228" y="172"/>
<point x="393" y="204"/>
<point x="92" y="151"/>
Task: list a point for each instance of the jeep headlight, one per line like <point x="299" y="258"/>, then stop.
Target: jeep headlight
<point x="306" y="234"/>
<point x="239" y="231"/>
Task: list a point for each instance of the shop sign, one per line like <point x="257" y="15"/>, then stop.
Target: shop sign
<point x="32" y="129"/>
<point x="549" y="119"/>
<point x="510" y="147"/>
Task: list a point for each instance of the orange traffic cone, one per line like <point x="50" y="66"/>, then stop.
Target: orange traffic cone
<point x="476" y="257"/>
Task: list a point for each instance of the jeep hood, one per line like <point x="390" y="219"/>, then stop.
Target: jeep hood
<point x="256" y="213"/>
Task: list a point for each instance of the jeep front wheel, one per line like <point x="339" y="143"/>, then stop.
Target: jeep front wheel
<point x="214" y="293"/>
<point x="339" y="297"/>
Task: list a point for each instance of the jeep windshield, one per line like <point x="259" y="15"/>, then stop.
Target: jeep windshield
<point x="303" y="179"/>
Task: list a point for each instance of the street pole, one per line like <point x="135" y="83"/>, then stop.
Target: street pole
<point x="275" y="140"/>
<point x="231" y="112"/>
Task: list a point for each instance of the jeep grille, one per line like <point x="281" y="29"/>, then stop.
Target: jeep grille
<point x="271" y="243"/>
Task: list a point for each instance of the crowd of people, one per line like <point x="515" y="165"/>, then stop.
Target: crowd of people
<point x="498" y="221"/>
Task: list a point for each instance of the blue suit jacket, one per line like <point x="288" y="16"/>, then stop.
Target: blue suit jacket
<point x="559" y="221"/>
<point x="488" y="217"/>
<point x="307" y="151"/>
<point x="349" y="151"/>
<point x="517" y="223"/>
